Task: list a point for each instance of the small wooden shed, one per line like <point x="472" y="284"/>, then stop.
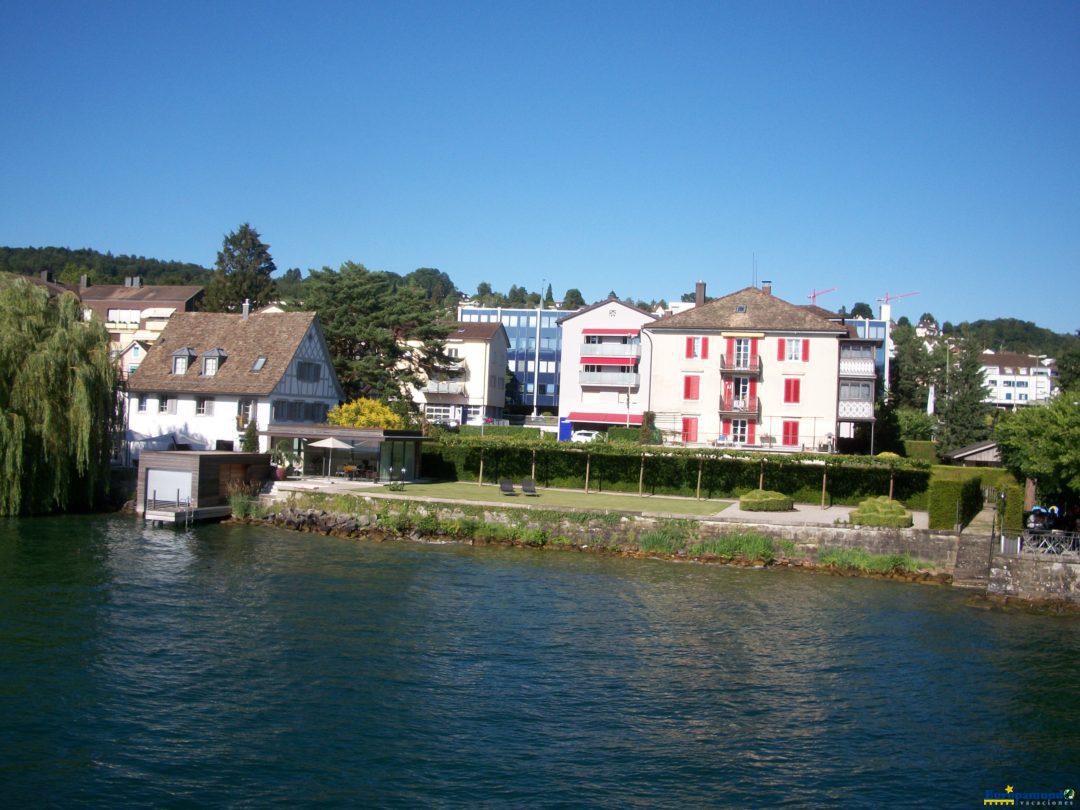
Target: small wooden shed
<point x="186" y="486"/>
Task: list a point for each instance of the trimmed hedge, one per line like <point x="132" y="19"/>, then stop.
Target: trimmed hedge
<point x="1014" y="508"/>
<point x="762" y="500"/>
<point x="615" y="467"/>
<point x="882" y="512"/>
<point x="921" y="450"/>
<point x="945" y="498"/>
<point x="624" y="434"/>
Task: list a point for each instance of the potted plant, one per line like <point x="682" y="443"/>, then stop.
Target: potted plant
<point x="284" y="458"/>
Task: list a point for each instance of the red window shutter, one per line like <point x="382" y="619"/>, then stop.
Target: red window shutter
<point x="687" y="382"/>
<point x="753" y="352"/>
<point x="689" y="347"/>
<point x="751" y="432"/>
<point x="704" y="348"/>
<point x="727" y="427"/>
<point x="796" y="389"/>
<point x="791" y="434"/>
<point x="695" y="387"/>
<point x="689" y="429"/>
<point x="753" y="391"/>
<point x="805" y="350"/>
<point x="780" y="349"/>
<point x="787" y="390"/>
<point x="727" y="390"/>
<point x="730" y="351"/>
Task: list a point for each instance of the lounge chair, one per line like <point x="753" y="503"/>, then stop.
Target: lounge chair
<point x="528" y="486"/>
<point x="506" y="486"/>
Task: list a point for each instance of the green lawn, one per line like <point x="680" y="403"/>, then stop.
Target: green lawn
<point x="564" y="498"/>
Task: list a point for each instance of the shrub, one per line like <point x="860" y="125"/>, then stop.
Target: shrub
<point x="953" y="503"/>
<point x="1014" y="508"/>
<point x="921" y="450"/>
<point x="882" y="512"/>
<point x="624" y="434"/>
<point x="763" y="500"/>
<point x="660" y="540"/>
<point x="746" y="546"/>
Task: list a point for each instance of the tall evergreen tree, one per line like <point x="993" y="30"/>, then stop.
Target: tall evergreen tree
<point x="58" y="402"/>
<point x="549" y="298"/>
<point x="383" y="333"/>
<point x="963" y="409"/>
<point x="243" y="273"/>
<point x="573" y="299"/>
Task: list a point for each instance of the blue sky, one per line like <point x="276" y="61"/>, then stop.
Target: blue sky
<point x="873" y="147"/>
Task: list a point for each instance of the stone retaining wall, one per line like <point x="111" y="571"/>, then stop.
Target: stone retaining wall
<point x="1035" y="578"/>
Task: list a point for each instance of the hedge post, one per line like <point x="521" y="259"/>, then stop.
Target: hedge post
<point x="824" y="479"/>
<point x="534" y="464"/>
<point x="700" y="464"/>
<point x="761" y="476"/>
<point x="480" y="480"/>
<point x="892" y="476"/>
<point x="588" y="461"/>
<point x="641" y="477"/>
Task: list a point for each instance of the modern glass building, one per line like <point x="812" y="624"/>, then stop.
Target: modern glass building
<point x="533" y="356"/>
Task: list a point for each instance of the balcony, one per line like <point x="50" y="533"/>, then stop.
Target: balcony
<point x="745" y="408"/>
<point x="615" y="379"/>
<point x="445" y="387"/>
<point x="740" y="364"/>
<point x="857" y="409"/>
<point x="857" y="367"/>
<point x="631" y="351"/>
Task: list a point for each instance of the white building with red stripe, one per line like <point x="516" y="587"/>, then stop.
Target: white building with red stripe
<point x="604" y="366"/>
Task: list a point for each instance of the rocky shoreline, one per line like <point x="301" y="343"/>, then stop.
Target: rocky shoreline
<point x="369" y="527"/>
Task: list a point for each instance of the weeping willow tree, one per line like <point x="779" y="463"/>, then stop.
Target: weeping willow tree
<point x="59" y="403"/>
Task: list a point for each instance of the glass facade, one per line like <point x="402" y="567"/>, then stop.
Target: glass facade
<point x="524" y="352"/>
<point x="873" y="330"/>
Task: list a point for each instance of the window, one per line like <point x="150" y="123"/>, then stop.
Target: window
<point x="132" y="367"/>
<point x="135" y="350"/>
<point x="141" y="404"/>
<point x="1008" y="397"/>
<point x="260" y="361"/>
<point x="438" y="413"/>
<point x="162" y="404"/>
<point x="797" y="349"/>
<point x="308" y="372"/>
<point x="691" y="386"/>
<point x="689" y="429"/>
<point x="245" y="411"/>
<point x="742" y="352"/>
<point x="856" y="391"/>
<point x="738" y="430"/>
<point x="204" y="406"/>
<point x="170" y="405"/>
<point x="697" y="348"/>
<point x="791" y="433"/>
<point x="452" y="352"/>
<point x="1022" y="397"/>
<point x="209" y="366"/>
<point x="179" y="364"/>
<point x="592" y="340"/>
<point x="792" y="389"/>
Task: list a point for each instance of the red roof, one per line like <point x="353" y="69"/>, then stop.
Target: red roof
<point x="604" y="418"/>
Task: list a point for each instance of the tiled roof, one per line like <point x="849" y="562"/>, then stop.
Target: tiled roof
<point x="760" y="311"/>
<point x="460" y="330"/>
<point x="144" y="297"/>
<point x="1009" y="359"/>
<point x="275" y="336"/>
<point x="604" y="303"/>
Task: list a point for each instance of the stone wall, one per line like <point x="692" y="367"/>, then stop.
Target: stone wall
<point x="1035" y="578"/>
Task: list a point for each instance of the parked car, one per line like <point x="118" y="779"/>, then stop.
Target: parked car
<point x="584" y="435"/>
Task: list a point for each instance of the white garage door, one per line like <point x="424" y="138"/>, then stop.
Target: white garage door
<point x="163" y="485"/>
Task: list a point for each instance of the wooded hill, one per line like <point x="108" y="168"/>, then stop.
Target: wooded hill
<point x="68" y="265"/>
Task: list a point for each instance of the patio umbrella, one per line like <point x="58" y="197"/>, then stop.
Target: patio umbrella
<point x="331" y="444"/>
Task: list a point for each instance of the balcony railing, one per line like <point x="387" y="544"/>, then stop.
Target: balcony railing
<point x="855" y="409"/>
<point x="444" y="387"/>
<point x="745" y="407"/>
<point x="629" y="350"/>
<point x="743" y="364"/>
<point x="857" y="367"/>
<point x="609" y="378"/>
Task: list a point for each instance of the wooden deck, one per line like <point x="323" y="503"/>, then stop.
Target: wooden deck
<point x="182" y="515"/>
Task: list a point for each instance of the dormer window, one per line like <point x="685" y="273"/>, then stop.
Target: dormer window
<point x="211" y="361"/>
<point x="181" y="359"/>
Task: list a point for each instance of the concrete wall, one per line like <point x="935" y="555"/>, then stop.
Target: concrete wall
<point x="1035" y="578"/>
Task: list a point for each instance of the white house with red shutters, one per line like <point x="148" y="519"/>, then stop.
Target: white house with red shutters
<point x="752" y="370"/>
<point x="604" y="366"/>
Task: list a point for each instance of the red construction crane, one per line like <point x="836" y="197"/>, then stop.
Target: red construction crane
<point x="890" y="297"/>
<point x="816" y="292"/>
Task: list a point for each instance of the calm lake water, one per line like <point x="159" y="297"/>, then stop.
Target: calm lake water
<point x="232" y="665"/>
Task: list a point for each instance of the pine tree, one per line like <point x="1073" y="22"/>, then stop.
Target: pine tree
<point x="243" y="273"/>
<point x="59" y="403"/>
<point x="963" y="409"/>
<point x="249" y="442"/>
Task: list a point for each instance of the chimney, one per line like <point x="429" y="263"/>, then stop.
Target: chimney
<point x="84" y="281"/>
<point x="246" y="310"/>
<point x="766" y="287"/>
<point x="699" y="294"/>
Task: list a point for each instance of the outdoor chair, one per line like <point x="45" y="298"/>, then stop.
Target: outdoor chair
<point x="528" y="486"/>
<point x="506" y="486"/>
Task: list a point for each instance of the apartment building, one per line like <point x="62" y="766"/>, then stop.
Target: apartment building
<point x="473" y="386"/>
<point x="1014" y="380"/>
